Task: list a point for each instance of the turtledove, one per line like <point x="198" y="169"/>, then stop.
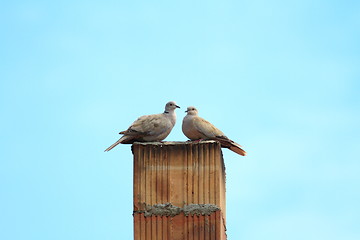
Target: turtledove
<point x="197" y="128"/>
<point x="149" y="128"/>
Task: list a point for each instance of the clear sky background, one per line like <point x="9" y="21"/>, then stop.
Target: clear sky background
<point x="282" y="78"/>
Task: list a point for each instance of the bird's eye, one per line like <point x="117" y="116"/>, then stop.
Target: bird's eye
<point x="193" y="109"/>
<point x="171" y="104"/>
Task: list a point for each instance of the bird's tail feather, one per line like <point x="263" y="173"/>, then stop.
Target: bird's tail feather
<point x="238" y="150"/>
<point x="124" y="140"/>
<point x="113" y="145"/>
<point x="233" y="146"/>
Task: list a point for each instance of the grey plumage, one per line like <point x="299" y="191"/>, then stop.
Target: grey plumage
<point x="149" y="128"/>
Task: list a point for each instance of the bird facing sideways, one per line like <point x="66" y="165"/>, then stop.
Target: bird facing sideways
<point x="149" y="128"/>
<point x="197" y="128"/>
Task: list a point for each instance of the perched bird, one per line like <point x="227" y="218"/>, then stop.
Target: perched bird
<point x="197" y="128"/>
<point x="149" y="128"/>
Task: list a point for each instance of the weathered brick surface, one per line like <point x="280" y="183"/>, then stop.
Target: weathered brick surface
<point x="179" y="227"/>
<point x="180" y="173"/>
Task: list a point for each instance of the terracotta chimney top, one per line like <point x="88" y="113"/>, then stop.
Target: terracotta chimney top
<point x="179" y="191"/>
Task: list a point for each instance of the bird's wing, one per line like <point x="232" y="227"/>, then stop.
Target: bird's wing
<point x="211" y="132"/>
<point x="148" y="125"/>
<point x="206" y="128"/>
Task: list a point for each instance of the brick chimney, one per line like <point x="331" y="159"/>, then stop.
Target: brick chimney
<point x="179" y="191"/>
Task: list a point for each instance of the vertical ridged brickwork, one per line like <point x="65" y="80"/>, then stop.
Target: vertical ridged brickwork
<point x="181" y="175"/>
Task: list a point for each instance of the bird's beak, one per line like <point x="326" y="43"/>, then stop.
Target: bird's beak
<point x="177" y="106"/>
<point x="186" y="111"/>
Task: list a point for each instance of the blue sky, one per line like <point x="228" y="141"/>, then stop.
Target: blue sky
<point x="279" y="77"/>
